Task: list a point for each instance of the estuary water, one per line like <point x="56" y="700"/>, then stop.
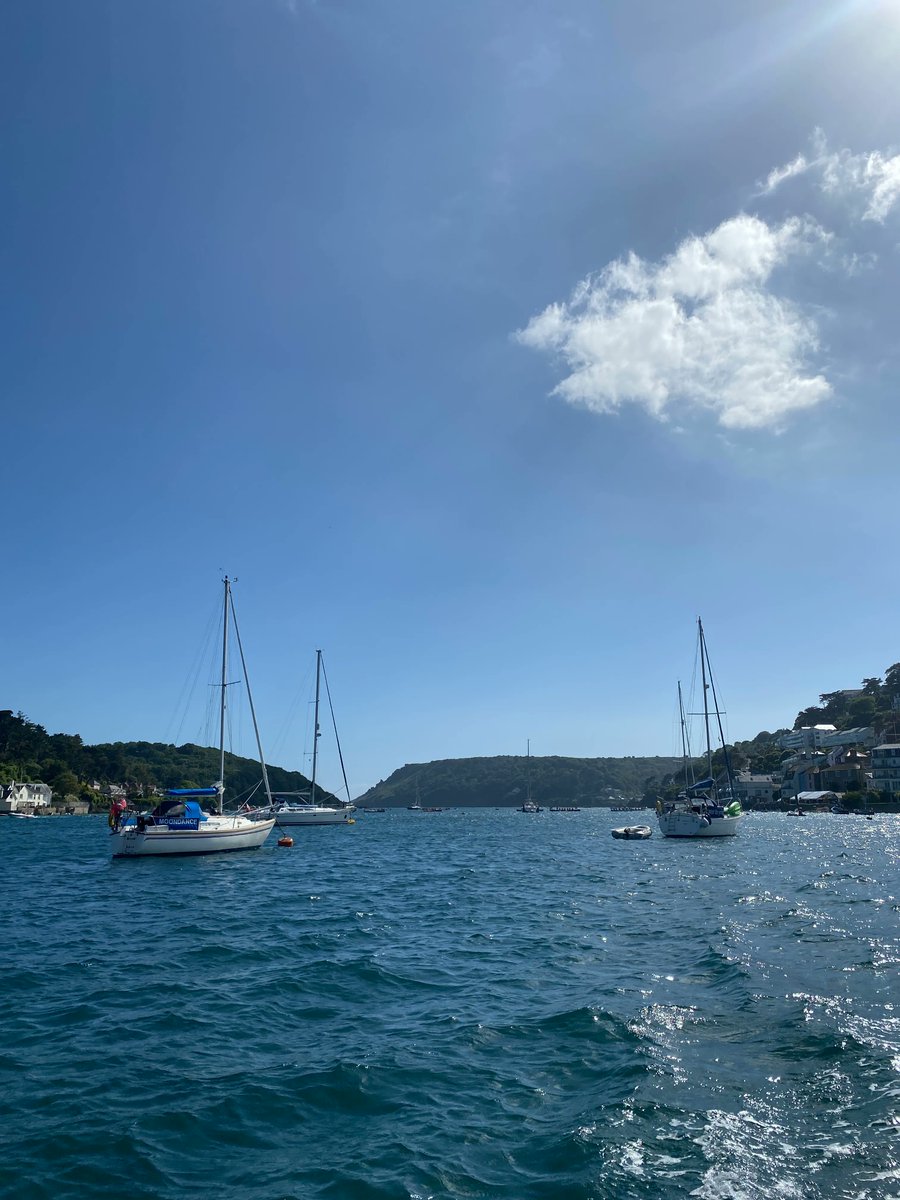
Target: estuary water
<point x="467" y="1004"/>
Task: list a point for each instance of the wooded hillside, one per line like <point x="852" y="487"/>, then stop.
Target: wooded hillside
<point x="504" y="780"/>
<point x="62" y="760"/>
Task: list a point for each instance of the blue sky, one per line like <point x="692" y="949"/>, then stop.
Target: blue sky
<point x="487" y="343"/>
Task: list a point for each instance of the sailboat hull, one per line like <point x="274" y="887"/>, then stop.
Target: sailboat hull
<point x="681" y="823"/>
<point x="313" y="814"/>
<point x="217" y="835"/>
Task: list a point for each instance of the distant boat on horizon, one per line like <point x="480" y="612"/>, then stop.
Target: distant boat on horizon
<point x="529" y="806"/>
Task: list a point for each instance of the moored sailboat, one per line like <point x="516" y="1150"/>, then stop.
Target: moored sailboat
<point x="529" y="806"/>
<point x="192" y="820"/>
<point x="418" y="806"/>
<point x="292" y="809"/>
<point x="701" y="810"/>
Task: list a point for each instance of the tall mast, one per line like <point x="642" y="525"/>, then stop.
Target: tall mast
<point x="705" y="697"/>
<point x="684" y="753"/>
<point x="262" y="758"/>
<point x="728" y="771"/>
<point x="337" y="740"/>
<point x="224" y="685"/>
<point x="312" y="794"/>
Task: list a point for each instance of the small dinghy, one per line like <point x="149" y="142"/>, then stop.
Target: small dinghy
<point x="633" y="831"/>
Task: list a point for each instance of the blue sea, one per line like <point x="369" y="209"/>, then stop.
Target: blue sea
<point x="467" y="1004"/>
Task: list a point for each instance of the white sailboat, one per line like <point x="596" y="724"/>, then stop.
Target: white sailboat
<point x="529" y="806"/>
<point x="418" y="806"/>
<point x="291" y="809"/>
<point x="700" y="810"/>
<point x="192" y="820"/>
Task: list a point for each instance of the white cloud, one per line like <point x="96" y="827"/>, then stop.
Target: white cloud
<point x="872" y="177"/>
<point x="699" y="329"/>
<point x="799" y="166"/>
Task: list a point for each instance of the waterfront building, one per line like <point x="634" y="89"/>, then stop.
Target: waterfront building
<point x="752" y="789"/>
<point x="25" y="797"/>
<point x="885" y="764"/>
<point x="845" y="770"/>
<point x="817" y="799"/>
<point x="801" y="772"/>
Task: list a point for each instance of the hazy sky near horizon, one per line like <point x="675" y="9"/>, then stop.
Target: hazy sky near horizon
<point x="487" y="343"/>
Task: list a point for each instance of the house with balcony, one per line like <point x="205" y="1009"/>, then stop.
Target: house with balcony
<point x="25" y="797"/>
<point x="885" y="768"/>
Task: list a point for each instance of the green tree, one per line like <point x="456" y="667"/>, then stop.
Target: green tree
<point x="811" y="716"/>
<point x="891" y="687"/>
<point x="862" y="711"/>
<point x="65" y="783"/>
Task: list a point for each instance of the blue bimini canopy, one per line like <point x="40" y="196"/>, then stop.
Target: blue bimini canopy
<point x="182" y="792"/>
<point x="701" y="784"/>
<point x="179" y="810"/>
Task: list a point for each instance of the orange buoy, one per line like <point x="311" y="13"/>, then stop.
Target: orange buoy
<point x="285" y="841"/>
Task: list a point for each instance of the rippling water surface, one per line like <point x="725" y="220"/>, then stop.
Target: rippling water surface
<point x="466" y="1004"/>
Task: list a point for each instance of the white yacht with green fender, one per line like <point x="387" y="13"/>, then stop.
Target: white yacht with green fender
<point x="703" y="809"/>
<point x="192" y="820"/>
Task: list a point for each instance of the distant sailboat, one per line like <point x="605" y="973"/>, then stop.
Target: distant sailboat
<point x="529" y="806"/>
<point x="417" y="806"/>
<point x="292" y="809"/>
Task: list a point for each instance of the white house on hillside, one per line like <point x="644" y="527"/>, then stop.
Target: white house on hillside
<point x="808" y="738"/>
<point x="825" y="737"/>
<point x="24" y="797"/>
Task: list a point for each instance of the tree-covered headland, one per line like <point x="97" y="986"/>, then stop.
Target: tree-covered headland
<point x="28" y="753"/>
